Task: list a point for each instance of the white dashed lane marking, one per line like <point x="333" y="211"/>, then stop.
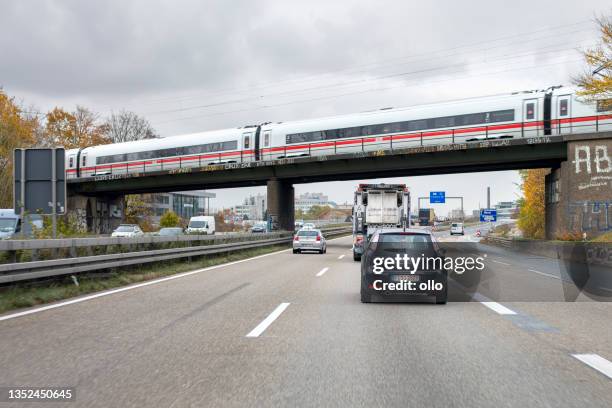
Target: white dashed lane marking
<point x="597" y="362"/>
<point x="322" y="271"/>
<point x="261" y="327"/>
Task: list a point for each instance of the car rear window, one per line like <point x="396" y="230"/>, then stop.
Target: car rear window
<point x="308" y="233"/>
<point x="411" y="239"/>
<point x="455" y="225"/>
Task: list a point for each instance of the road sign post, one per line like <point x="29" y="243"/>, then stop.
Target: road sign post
<point x="39" y="183"/>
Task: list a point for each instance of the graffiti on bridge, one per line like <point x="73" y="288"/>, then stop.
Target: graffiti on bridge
<point x="590" y="216"/>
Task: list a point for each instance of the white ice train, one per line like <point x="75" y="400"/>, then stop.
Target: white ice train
<point x="554" y="111"/>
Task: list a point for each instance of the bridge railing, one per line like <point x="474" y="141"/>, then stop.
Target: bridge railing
<point x="367" y="143"/>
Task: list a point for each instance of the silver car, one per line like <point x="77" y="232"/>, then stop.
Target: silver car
<point x="309" y="240"/>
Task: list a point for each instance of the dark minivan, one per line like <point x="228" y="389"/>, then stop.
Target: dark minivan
<point x="403" y="265"/>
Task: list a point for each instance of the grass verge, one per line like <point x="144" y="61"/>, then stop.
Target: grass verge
<point x="41" y="292"/>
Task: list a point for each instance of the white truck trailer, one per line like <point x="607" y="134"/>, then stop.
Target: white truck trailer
<point x="378" y="206"/>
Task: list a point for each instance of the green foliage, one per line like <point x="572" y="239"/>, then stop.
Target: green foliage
<point x="169" y="219"/>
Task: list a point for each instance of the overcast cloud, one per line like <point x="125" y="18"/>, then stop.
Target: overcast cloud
<point x="197" y="65"/>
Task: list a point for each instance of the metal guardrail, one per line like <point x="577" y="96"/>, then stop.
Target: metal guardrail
<point x="16" y="272"/>
<point x="501" y="241"/>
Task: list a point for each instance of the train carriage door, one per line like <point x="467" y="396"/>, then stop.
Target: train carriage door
<point x="530" y="118"/>
<point x="266" y="143"/>
<point x="247" y="146"/>
<point x="564" y="113"/>
<point x="72" y="166"/>
<point x="83" y="162"/>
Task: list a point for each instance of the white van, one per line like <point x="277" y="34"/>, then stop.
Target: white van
<point x="11" y="224"/>
<point x="203" y="224"/>
<point x="457" y="228"/>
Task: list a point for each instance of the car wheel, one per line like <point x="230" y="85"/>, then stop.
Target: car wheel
<point x="365" y="298"/>
<point x="325" y="250"/>
<point x="295" y="251"/>
<point x="441" y="300"/>
<point x="356" y="257"/>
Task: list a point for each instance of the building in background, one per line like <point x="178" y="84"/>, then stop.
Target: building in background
<point x="307" y="200"/>
<point x="507" y="209"/>
<point x="457" y="215"/>
<point x="185" y="204"/>
<point x="253" y="208"/>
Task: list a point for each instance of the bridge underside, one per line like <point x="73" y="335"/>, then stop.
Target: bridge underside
<point x="488" y="155"/>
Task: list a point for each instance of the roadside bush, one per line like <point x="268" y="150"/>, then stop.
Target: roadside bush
<point x="169" y="219"/>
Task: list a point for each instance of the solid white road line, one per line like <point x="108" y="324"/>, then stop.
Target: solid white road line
<point x="261" y="327"/>
<point x="597" y="362"/>
<point x="500" y="262"/>
<point x="341" y="256"/>
<point x="131" y="287"/>
<point x="501" y="309"/>
<point x="544" y="274"/>
<point x="322" y="271"/>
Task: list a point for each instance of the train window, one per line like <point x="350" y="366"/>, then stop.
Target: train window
<point x="71" y="161"/>
<point x="563" y="107"/>
<point x="502" y="116"/>
<point x="84" y="161"/>
<point x="246" y="142"/>
<point x="406" y="126"/>
<point x="530" y="111"/>
<point x="267" y="138"/>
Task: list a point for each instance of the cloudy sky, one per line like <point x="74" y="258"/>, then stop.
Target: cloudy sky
<point x="190" y="66"/>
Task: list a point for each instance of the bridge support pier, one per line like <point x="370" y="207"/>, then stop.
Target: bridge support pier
<point x="578" y="193"/>
<point x="98" y="215"/>
<point x="281" y="204"/>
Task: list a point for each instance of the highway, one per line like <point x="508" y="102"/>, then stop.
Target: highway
<point x="289" y="330"/>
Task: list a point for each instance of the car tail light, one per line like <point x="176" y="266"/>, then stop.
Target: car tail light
<point x="318" y="237"/>
<point x="358" y="239"/>
<point x="296" y="238"/>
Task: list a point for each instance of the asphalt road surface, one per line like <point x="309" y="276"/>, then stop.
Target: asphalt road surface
<point x="289" y="330"/>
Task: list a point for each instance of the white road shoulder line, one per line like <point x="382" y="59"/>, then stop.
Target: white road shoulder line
<point x="341" y="256"/>
<point x="261" y="327"/>
<point x="322" y="271"/>
<point x="501" y="309"/>
<point x="544" y="274"/>
<point x="131" y="287"/>
<point x="597" y="362"/>
<point x="500" y="262"/>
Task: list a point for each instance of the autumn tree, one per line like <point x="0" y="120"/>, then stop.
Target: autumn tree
<point x="169" y="219"/>
<point x="596" y="82"/>
<point x="17" y="129"/>
<point x="127" y="126"/>
<point x="531" y="219"/>
<point x="74" y="129"/>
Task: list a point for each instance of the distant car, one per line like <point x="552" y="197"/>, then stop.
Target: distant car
<point x="309" y="240"/>
<point x="127" y="231"/>
<point x="457" y="228"/>
<point x="170" y="231"/>
<point x="259" y="228"/>
<point x="309" y="225"/>
<point x="394" y="243"/>
<point x="298" y="225"/>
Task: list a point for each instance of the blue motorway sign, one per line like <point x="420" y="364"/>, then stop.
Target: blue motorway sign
<point x="437" y="197"/>
<point x="488" y="215"/>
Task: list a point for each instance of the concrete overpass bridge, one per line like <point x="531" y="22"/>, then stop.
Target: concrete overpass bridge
<point x="578" y="189"/>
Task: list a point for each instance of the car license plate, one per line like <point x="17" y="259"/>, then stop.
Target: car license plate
<point x="408" y="278"/>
